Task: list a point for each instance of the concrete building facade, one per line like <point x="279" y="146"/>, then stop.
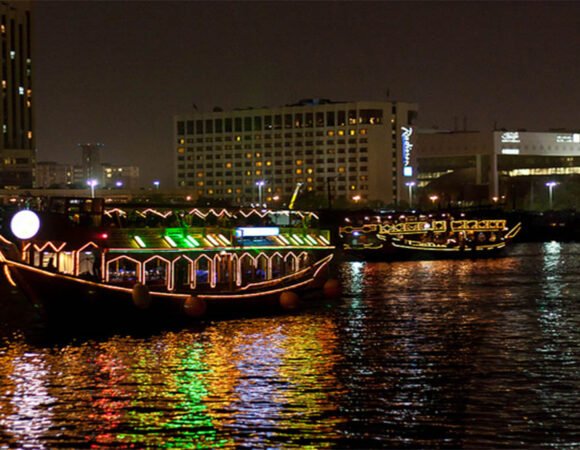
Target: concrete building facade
<point x="349" y="151"/>
<point x="498" y="160"/>
<point x="17" y="145"/>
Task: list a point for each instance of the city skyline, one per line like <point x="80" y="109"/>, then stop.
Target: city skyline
<point x="117" y="72"/>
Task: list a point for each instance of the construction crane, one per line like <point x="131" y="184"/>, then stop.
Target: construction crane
<point x="294" y="195"/>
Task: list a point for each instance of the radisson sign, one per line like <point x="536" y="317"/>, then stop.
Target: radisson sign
<point x="407" y="148"/>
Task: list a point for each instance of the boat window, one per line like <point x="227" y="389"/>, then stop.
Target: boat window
<point x="262" y="272"/>
<point x="247" y="268"/>
<point x="89" y="264"/>
<point x="182" y="274"/>
<point x="278" y="266"/>
<point x="203" y="272"/>
<point x="123" y="271"/>
<point x="156" y="272"/>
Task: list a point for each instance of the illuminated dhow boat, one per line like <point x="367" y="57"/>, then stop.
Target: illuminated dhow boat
<point x="119" y="264"/>
<point x="425" y="237"/>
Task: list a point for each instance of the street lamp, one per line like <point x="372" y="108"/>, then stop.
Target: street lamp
<point x="433" y="199"/>
<point x="356" y="198"/>
<point x="551" y="185"/>
<point x="410" y="185"/>
<point x="156" y="183"/>
<point x="260" y="184"/>
<point x="119" y="184"/>
<point x="92" y="183"/>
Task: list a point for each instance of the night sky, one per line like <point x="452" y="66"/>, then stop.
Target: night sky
<point x="116" y="72"/>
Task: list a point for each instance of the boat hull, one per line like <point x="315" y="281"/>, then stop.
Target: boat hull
<point x="75" y="302"/>
<point x="390" y="252"/>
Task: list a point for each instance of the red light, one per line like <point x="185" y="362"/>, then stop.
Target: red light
<point x="104" y="236"/>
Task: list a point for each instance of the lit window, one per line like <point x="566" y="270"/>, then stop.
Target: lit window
<point x="258" y="163"/>
<point x="341" y="132"/>
<point x="298" y="162"/>
<point x="298" y="171"/>
<point x="330" y="133"/>
<point x="228" y="165"/>
<point x="258" y="172"/>
<point x="341" y="170"/>
<point x="249" y="155"/>
<point x="268" y="163"/>
<point x="238" y="138"/>
<point x="362" y="131"/>
<point x="351" y="132"/>
<point x="181" y="150"/>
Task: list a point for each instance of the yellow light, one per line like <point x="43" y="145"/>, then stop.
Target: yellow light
<point x="139" y="241"/>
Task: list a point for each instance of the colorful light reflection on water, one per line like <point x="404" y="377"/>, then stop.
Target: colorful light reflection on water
<point x="441" y="354"/>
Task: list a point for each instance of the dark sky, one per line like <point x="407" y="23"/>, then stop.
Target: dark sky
<point x="117" y="71"/>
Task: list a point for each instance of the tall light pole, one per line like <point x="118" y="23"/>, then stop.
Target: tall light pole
<point x="156" y="183"/>
<point x="410" y="185"/>
<point x="551" y="185"/>
<point x="92" y="183"/>
<point x="433" y="199"/>
<point x="260" y="184"/>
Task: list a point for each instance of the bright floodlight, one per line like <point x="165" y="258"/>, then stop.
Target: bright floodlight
<point x="25" y="224"/>
<point x="551" y="183"/>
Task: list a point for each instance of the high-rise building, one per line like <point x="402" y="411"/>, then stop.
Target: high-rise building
<point x="17" y="145"/>
<point x="353" y="152"/>
<point x="91" y="162"/>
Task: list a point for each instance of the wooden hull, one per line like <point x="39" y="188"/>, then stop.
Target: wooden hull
<point x="400" y="252"/>
<point x="77" y="303"/>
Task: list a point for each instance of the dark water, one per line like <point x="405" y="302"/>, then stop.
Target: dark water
<point x="444" y="354"/>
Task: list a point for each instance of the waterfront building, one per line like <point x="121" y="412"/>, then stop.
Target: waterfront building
<point x="116" y="176"/>
<point x="17" y="145"/>
<point x="508" y="165"/>
<point x="349" y="152"/>
<point x="91" y="162"/>
<point x="50" y="174"/>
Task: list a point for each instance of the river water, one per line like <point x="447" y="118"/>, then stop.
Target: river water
<point x="443" y="354"/>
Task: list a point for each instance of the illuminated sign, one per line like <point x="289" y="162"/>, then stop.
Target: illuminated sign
<point x="510" y="136"/>
<point x="257" y="231"/>
<point x="510" y="151"/>
<point x="568" y="138"/>
<point x="407" y="148"/>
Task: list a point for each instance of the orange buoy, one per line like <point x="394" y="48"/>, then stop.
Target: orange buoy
<point x="289" y="300"/>
<point x="332" y="288"/>
<point x="141" y="296"/>
<point x="194" y="306"/>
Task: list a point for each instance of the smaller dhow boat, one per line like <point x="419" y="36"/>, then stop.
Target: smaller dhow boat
<point x="78" y="259"/>
<point x="425" y="236"/>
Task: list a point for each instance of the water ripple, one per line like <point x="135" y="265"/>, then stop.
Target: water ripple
<point x="442" y="354"/>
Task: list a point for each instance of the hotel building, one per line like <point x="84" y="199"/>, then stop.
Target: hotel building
<point x="499" y="161"/>
<point x="338" y="151"/>
<point x="17" y="145"/>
